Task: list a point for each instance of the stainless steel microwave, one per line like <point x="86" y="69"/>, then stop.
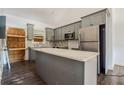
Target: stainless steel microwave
<point x="69" y="36"/>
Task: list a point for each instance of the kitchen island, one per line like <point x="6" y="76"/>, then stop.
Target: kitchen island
<point x="66" y="67"/>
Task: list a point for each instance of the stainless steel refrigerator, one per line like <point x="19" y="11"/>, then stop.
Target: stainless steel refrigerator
<point x="92" y="38"/>
<point x="89" y="38"/>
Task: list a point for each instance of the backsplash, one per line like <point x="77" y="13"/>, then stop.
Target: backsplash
<point x="61" y="44"/>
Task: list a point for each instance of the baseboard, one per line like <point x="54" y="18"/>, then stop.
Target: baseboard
<point x="119" y="64"/>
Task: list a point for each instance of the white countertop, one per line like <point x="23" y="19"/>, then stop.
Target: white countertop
<point x="71" y="54"/>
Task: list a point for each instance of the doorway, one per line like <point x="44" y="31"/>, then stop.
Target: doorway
<point x="102" y="48"/>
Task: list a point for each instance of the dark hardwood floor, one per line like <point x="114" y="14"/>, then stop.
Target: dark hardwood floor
<point x="22" y="73"/>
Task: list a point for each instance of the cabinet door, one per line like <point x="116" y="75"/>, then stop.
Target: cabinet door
<point x="77" y="27"/>
<point x="103" y="17"/>
<point x="71" y="28"/>
<point x="55" y="34"/>
<point x="49" y="34"/>
<point x="58" y="34"/>
<point x="86" y="21"/>
<point x="94" y="19"/>
<point x="64" y="29"/>
<point x="30" y="31"/>
<point x="31" y="54"/>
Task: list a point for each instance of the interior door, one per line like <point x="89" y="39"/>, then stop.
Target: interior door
<point x="102" y="48"/>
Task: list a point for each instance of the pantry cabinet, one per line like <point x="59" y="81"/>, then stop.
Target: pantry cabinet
<point x="49" y="34"/>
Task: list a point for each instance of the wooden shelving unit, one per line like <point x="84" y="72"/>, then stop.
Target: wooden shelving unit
<point x="15" y="36"/>
<point x="38" y="38"/>
<point x="16" y="44"/>
<point x="12" y="49"/>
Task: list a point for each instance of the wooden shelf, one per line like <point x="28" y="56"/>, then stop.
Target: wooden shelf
<point x="17" y="36"/>
<point x="16" y="44"/>
<point x="38" y="39"/>
<point x="11" y="49"/>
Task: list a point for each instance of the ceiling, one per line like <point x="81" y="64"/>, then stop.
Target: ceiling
<point x="54" y="17"/>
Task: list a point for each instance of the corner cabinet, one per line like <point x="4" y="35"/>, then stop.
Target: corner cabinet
<point x="49" y="34"/>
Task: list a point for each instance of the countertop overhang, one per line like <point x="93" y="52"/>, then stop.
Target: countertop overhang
<point x="78" y="55"/>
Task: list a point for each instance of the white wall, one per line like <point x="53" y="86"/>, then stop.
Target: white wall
<point x="73" y="44"/>
<point x="118" y="36"/>
<point x="109" y="55"/>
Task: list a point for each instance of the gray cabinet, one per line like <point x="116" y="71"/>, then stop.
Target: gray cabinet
<point x="77" y="26"/>
<point x="58" y="34"/>
<point x="64" y="30"/>
<point x="94" y="19"/>
<point x="103" y="15"/>
<point x="71" y="28"/>
<point x="86" y="21"/>
<point x="31" y="54"/>
<point x="49" y="34"/>
<point x="30" y="31"/>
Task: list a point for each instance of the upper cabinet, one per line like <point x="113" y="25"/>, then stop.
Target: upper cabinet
<point x="49" y="34"/>
<point x="90" y="20"/>
<point x="94" y="19"/>
<point x="58" y="34"/>
<point x="30" y="31"/>
<point x="61" y="31"/>
<point x="64" y="30"/>
<point x="77" y="26"/>
<point x="71" y="28"/>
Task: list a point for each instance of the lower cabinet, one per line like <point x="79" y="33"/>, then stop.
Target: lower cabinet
<point x="31" y="54"/>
